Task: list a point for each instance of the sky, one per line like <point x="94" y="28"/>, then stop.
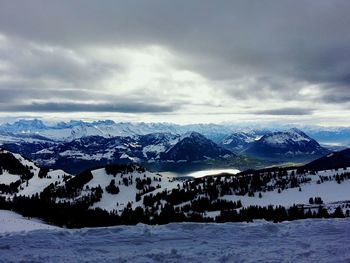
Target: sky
<point x="196" y="61"/>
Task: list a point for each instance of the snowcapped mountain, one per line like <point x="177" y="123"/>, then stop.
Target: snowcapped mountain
<point x="290" y="143"/>
<point x="194" y="147"/>
<point x="77" y="143"/>
<point x="24" y="126"/>
<point x="74" y="129"/>
<point x="92" y="151"/>
<point x="94" y="144"/>
<point x="237" y="142"/>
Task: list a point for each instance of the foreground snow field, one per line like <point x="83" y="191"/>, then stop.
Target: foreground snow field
<point x="13" y="222"/>
<point x="297" y="241"/>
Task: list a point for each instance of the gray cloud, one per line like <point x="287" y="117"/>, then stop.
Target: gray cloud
<point x="336" y="94"/>
<point x="265" y="50"/>
<point x="286" y="111"/>
<point x="28" y="61"/>
<point x="300" y="40"/>
<point x="122" y="107"/>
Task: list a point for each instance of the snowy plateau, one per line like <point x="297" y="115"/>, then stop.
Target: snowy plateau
<point x="298" y="241"/>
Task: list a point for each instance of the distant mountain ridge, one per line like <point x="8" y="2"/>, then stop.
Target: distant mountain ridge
<point x="76" y="144"/>
<point x="93" y="151"/>
<point x="219" y="133"/>
<point x="68" y="131"/>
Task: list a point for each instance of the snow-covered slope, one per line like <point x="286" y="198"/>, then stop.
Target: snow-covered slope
<point x="22" y="177"/>
<point x="286" y="189"/>
<point x="127" y="184"/>
<point x="36" y="184"/>
<point x="323" y="241"/>
<point x="11" y="222"/>
<point x="331" y="192"/>
<point x="238" y="141"/>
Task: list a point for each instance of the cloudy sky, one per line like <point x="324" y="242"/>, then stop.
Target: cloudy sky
<point x="176" y="61"/>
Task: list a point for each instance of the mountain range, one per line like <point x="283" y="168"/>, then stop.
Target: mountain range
<point x="77" y="145"/>
<point x="66" y="131"/>
<point x="74" y="129"/>
<point x="92" y="151"/>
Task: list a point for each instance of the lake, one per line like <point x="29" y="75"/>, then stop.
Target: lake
<point x="201" y="173"/>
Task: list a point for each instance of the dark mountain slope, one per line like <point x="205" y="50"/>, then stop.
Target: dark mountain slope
<point x="331" y="161"/>
<point x="195" y="147"/>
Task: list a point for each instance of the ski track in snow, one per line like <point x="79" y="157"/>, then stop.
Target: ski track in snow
<point x="297" y="241"/>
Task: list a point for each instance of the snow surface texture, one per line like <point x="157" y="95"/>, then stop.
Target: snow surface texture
<point x="297" y="241"/>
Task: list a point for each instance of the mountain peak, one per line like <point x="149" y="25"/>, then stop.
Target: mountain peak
<point x="194" y="146"/>
<point x="297" y="131"/>
<point x="33" y="122"/>
<point x="292" y="142"/>
<point x="193" y="135"/>
<point x="285" y="137"/>
<point x="103" y="122"/>
<point x="23" y="125"/>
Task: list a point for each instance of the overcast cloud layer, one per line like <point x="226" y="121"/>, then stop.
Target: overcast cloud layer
<point x="181" y="61"/>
